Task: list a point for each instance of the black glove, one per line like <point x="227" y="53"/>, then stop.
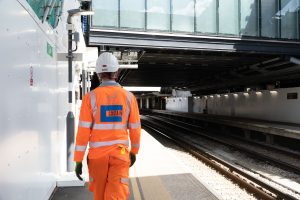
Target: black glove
<point x="132" y="158"/>
<point x="78" y="170"/>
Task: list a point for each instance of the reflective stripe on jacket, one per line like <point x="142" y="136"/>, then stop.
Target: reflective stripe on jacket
<point x="105" y="115"/>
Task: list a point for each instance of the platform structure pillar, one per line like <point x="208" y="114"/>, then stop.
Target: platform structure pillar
<point x="141" y="103"/>
<point x="70" y="120"/>
<point x="147" y="103"/>
<point x="153" y="106"/>
<point x="84" y="80"/>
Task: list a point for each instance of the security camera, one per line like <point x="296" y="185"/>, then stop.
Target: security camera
<point x="85" y="4"/>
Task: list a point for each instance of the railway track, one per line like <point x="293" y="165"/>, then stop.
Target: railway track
<point x="164" y="127"/>
<point x="237" y="144"/>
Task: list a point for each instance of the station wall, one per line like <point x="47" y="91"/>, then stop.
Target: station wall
<point x="276" y="105"/>
<point x="34" y="104"/>
<point x="177" y="104"/>
<point x="268" y="105"/>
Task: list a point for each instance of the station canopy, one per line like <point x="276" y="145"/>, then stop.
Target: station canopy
<point x="201" y="46"/>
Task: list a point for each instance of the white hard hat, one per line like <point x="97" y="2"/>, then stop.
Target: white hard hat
<point x="106" y="62"/>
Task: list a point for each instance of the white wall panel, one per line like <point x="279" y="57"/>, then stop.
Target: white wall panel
<point x="32" y="118"/>
<point x="177" y="104"/>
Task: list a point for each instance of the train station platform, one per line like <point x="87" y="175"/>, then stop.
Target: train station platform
<point x="284" y="129"/>
<point x="156" y="175"/>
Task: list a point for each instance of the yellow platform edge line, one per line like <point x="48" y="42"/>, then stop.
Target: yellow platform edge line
<point x="154" y="188"/>
<point x="135" y="189"/>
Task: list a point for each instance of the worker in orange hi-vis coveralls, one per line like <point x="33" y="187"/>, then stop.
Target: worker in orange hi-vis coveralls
<point x="106" y="114"/>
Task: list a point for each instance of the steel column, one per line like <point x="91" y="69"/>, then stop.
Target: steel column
<point x="70" y="117"/>
<point x="83" y="75"/>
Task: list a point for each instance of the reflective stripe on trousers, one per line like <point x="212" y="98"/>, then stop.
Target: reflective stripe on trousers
<point x="124" y="180"/>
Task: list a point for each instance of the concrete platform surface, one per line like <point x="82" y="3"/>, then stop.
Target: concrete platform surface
<point x="156" y="175"/>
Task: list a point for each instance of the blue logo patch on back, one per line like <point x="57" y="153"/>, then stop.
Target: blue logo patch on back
<point x="111" y="113"/>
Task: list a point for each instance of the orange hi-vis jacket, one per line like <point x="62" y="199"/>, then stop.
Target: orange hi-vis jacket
<point x="106" y="114"/>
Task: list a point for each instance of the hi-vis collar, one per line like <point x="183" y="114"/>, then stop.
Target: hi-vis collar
<point x="109" y="83"/>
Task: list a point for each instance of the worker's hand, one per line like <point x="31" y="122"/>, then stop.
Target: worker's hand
<point x="78" y="170"/>
<point x="132" y="158"/>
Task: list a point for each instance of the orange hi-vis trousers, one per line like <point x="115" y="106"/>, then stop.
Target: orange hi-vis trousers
<point x="109" y="174"/>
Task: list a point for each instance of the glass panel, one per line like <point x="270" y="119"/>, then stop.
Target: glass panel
<point x="132" y="14"/>
<point x="183" y="15"/>
<point x="249" y="17"/>
<point x="106" y="13"/>
<point x="289" y="19"/>
<point x="269" y="21"/>
<point x="206" y="13"/>
<point x="37" y="6"/>
<point x="228" y="17"/>
<point x="158" y="15"/>
<point x="56" y="11"/>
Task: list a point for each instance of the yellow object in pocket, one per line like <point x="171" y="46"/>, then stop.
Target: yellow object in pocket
<point x="123" y="149"/>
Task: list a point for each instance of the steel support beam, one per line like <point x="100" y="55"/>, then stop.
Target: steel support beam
<point x="190" y="42"/>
